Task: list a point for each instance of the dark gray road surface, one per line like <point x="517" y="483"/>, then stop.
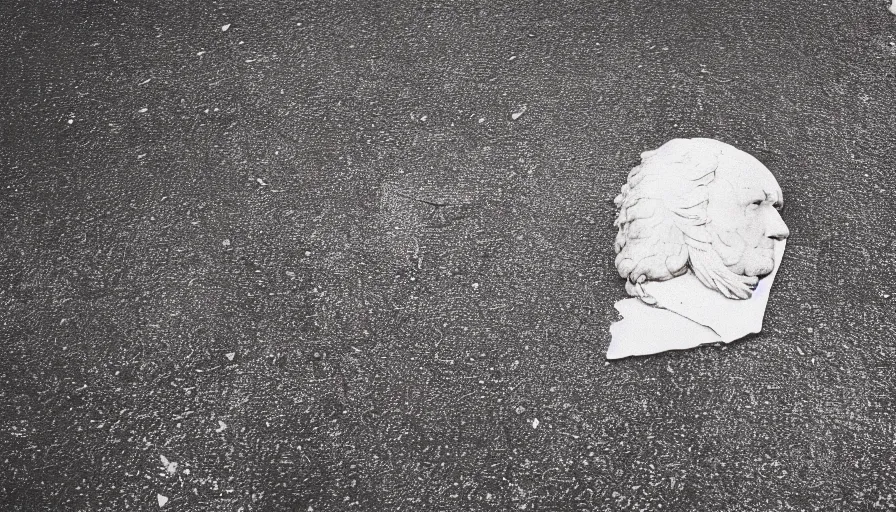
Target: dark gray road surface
<point x="317" y="262"/>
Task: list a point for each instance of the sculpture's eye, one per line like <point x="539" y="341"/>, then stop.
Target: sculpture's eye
<point x="756" y="204"/>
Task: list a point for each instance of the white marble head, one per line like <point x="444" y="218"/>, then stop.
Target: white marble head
<point x="702" y="206"/>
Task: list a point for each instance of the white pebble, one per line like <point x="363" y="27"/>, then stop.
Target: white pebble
<point x="71" y="121"/>
<point x="162" y="500"/>
<point x="225" y="28"/>
<point x="143" y="110"/>
<point x="170" y="467"/>
<point x="230" y="355"/>
<point x="221" y="427"/>
<point x="535" y="423"/>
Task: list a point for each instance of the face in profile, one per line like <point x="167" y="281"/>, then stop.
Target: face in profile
<point x="743" y="204"/>
<point x="702" y="206"/>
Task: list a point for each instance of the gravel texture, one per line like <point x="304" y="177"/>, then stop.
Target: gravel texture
<point x="321" y="257"/>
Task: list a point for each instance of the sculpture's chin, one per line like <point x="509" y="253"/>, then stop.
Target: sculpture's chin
<point x="760" y="265"/>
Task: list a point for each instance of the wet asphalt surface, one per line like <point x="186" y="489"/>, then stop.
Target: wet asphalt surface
<point x="343" y="257"/>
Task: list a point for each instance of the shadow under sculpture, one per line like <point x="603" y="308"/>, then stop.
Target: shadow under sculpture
<point x="700" y="241"/>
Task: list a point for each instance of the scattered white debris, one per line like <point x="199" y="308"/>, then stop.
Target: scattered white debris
<point x="481" y="120"/>
<point x="170" y="467"/>
<point x="307" y="253"/>
<point x="423" y="119"/>
<point x="186" y="471"/>
<point x="475" y="286"/>
<point x="221" y="427"/>
<point x="516" y="115"/>
<point x="261" y="182"/>
<point x="230" y="355"/>
<point x="290" y="273"/>
<point x="535" y="423"/>
<point x="798" y="349"/>
<point x="143" y="110"/>
<point x="162" y="500"/>
<point x="71" y="121"/>
<point x="145" y="81"/>
<point x="140" y="156"/>
<point x="226" y="242"/>
<point x="200" y="54"/>
<point x="225" y="28"/>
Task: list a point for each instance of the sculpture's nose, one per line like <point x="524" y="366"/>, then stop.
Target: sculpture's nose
<point x="775" y="227"/>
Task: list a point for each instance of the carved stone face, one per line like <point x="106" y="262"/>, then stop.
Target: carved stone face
<point x="744" y="199"/>
<point x="698" y="205"/>
<point x="700" y="238"/>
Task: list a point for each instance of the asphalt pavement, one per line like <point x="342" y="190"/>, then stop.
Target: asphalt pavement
<point x="326" y="256"/>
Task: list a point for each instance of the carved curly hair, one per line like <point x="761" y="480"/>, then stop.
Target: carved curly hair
<point x="662" y="221"/>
